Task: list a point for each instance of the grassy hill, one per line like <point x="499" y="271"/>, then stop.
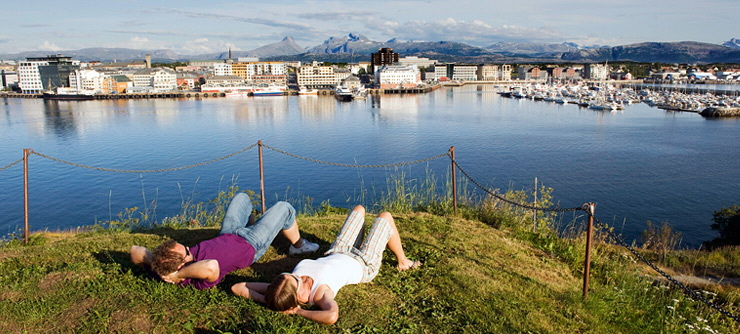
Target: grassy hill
<point x="476" y="278"/>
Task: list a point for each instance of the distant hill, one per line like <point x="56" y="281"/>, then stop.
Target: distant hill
<point x="675" y="52"/>
<point x="286" y="47"/>
<point x="732" y="43"/>
<point x="356" y="47"/>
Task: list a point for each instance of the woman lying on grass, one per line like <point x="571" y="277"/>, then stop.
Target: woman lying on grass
<point x="350" y="260"/>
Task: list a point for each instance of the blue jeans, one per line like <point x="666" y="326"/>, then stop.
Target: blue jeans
<point x="264" y="230"/>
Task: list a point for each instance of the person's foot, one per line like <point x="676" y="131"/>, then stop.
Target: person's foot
<point x="307" y="247"/>
<point x="408" y="264"/>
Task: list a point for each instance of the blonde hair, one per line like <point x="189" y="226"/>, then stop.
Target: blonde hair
<point x="280" y="294"/>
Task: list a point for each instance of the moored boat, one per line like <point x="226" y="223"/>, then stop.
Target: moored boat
<point x="68" y="94"/>
<point x="307" y="91"/>
<point x="269" y="90"/>
<point x="343" y="94"/>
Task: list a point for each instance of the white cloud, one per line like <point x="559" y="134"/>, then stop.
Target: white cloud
<point x="48" y="47"/>
<point x="474" y="32"/>
<point x="204" y="45"/>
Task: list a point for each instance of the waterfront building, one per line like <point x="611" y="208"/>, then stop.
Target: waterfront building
<point x="260" y="72"/>
<point x="555" y="72"/>
<point x="37" y="74"/>
<point x="529" y="72"/>
<point x="187" y="80"/>
<point x="87" y="80"/>
<point x="697" y="75"/>
<point x="351" y="82"/>
<point x="420" y="62"/>
<point x="462" y="72"/>
<point x="384" y="56"/>
<point x="156" y="80"/>
<point x="596" y="71"/>
<point x="8" y="79"/>
<point x="398" y="76"/>
<point x="319" y="76"/>
<point x="116" y="84"/>
<point x="505" y="72"/>
<point x="488" y="72"/>
<point x="572" y="73"/>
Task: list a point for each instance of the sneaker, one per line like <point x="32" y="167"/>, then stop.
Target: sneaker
<point x="308" y="247"/>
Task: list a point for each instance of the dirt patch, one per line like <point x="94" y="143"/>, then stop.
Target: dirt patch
<point x="52" y="280"/>
<point x="12" y="296"/>
<point x="71" y="317"/>
<point x="130" y="321"/>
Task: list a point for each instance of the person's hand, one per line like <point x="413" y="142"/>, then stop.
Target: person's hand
<point x="171" y="278"/>
<point x="292" y="310"/>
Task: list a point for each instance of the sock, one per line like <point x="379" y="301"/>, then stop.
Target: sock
<point x="299" y="243"/>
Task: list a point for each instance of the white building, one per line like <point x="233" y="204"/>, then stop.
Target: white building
<point x="461" y="72"/>
<point x="416" y="61"/>
<point x="317" y="76"/>
<point x="596" y="71"/>
<point x="87" y="80"/>
<point x="155" y="80"/>
<point x="8" y="79"/>
<point x="221" y="69"/>
<point x="29" y="77"/>
<point x="398" y="76"/>
<point x="488" y="73"/>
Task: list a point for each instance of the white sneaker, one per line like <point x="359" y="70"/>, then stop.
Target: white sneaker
<point x="308" y="247"/>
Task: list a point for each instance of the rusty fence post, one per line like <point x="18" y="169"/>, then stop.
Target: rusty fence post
<point x="590" y="208"/>
<point x="454" y="181"/>
<point x="262" y="177"/>
<point x="26" y="153"/>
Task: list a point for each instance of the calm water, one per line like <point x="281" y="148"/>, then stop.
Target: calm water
<point x="638" y="164"/>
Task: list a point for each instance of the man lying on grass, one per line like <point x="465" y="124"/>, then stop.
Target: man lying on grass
<point x="350" y="260"/>
<point x="237" y="246"/>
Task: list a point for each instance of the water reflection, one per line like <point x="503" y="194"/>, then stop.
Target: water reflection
<point x="60" y="119"/>
<point x="396" y="107"/>
<point x="317" y="107"/>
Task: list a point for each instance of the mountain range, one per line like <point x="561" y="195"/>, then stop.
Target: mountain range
<point x="355" y="47"/>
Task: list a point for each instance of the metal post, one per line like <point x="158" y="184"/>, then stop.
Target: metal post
<point x="590" y="208"/>
<point x="26" y="153"/>
<point x="534" y="212"/>
<point x="262" y="177"/>
<point x="454" y="181"/>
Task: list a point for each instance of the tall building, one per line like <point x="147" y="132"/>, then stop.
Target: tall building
<point x="384" y="56"/>
<point x="37" y="74"/>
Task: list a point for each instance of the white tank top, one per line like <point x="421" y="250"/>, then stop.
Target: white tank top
<point x="335" y="270"/>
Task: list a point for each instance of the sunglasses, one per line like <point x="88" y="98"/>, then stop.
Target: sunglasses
<point x="297" y="279"/>
<point x="187" y="251"/>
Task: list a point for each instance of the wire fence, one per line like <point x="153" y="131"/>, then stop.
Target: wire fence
<point x="604" y="227"/>
<point x="600" y="225"/>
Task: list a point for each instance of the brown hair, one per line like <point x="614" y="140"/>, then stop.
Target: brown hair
<point x="281" y="295"/>
<point x="166" y="260"/>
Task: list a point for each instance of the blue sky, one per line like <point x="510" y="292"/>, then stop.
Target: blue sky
<point x="197" y="27"/>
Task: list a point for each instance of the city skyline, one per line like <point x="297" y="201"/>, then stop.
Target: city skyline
<point x="188" y="27"/>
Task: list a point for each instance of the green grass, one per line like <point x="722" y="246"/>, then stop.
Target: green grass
<point x="487" y="270"/>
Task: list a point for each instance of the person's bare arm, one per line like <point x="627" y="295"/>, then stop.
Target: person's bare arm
<point x="205" y="269"/>
<point x="329" y="309"/>
<point x="252" y="290"/>
<point x="141" y="256"/>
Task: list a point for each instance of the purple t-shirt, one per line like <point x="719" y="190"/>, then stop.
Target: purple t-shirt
<point x="230" y="250"/>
